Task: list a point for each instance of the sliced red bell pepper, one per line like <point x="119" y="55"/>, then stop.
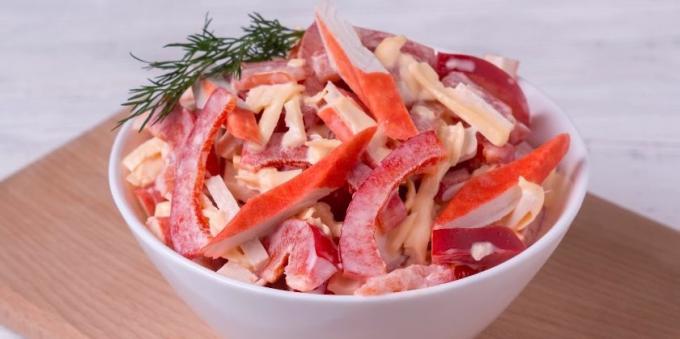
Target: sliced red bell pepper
<point x="188" y="227"/>
<point x="394" y="211"/>
<point x="358" y="249"/>
<point x="487" y="75"/>
<point x="310" y="258"/>
<point x="455" y="245"/>
<point x="263" y="212"/>
<point x="148" y="197"/>
<point x="275" y="155"/>
<point x="483" y="189"/>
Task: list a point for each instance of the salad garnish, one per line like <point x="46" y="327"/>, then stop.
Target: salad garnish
<point x="205" y="55"/>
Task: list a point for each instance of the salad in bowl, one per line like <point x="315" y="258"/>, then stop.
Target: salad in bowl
<point x="340" y="160"/>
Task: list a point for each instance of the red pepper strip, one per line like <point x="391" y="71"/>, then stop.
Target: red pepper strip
<point x="310" y="257"/>
<point x="454" y="245"/>
<point x="487" y="75"/>
<point x="484" y="188"/>
<point x="394" y="211"/>
<point x="275" y="155"/>
<point x="377" y="90"/>
<point x="175" y="127"/>
<point x="188" y="226"/>
<point x="358" y="249"/>
<point x="214" y="165"/>
<point x="263" y="212"/>
<point x="148" y="197"/>
<point x="242" y="124"/>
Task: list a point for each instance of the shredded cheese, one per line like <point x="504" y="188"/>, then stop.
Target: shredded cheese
<point x="389" y="50"/>
<point x="217" y="219"/>
<point x="162" y="209"/>
<point x="553" y="186"/>
<point x="266" y="178"/>
<point x="296" y="62"/>
<point x="255" y="253"/>
<point x="466" y="104"/>
<point x="271" y="99"/>
<point x="318" y="149"/>
<point x="223" y="198"/>
<point x="148" y="149"/>
<point x="528" y="207"/>
<point x="376" y="148"/>
<point x="235" y="271"/>
<point x="347" y="109"/>
<point x="389" y="54"/>
<point x="415" y="245"/>
<point x="146" y="172"/>
<point x="296" y="135"/>
<point x="320" y="215"/>
<point x="481" y="249"/>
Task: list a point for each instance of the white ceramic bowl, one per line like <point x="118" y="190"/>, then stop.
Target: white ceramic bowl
<point x="459" y="309"/>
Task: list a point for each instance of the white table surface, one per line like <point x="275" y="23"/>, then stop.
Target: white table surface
<point x="614" y="66"/>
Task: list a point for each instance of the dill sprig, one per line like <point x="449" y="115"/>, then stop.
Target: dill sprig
<point x="206" y="54"/>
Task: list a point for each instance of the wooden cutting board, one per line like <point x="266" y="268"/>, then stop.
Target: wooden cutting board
<point x="70" y="268"/>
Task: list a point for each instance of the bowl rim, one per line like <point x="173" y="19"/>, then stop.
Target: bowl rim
<point x="558" y="229"/>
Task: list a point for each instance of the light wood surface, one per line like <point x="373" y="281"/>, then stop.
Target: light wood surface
<point x="613" y="65"/>
<point x="69" y="266"/>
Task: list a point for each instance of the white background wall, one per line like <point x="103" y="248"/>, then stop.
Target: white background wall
<point x="613" y="65"/>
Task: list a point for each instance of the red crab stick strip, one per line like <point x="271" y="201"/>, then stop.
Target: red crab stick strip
<point x="261" y="213"/>
<point x="242" y="124"/>
<point x="270" y="72"/>
<point x="309" y="257"/>
<point x="358" y="249"/>
<point x="189" y="229"/>
<point x="481" y="192"/>
<point x="364" y="73"/>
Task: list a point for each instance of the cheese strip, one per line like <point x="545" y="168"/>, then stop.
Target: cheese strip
<point x="317" y="149"/>
<point x="237" y="272"/>
<point x="223" y="198"/>
<point x="255" y="253"/>
<point x="389" y="54"/>
<point x="162" y="209"/>
<point x="146" y="172"/>
<point x="465" y="104"/>
<point x="528" y="207"/>
<point x="349" y="111"/>
<point x="271" y="99"/>
<point x="296" y="135"/>
<point x="389" y="50"/>
<point x="415" y="246"/>
<point x="146" y="150"/>
<point x="266" y="178"/>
